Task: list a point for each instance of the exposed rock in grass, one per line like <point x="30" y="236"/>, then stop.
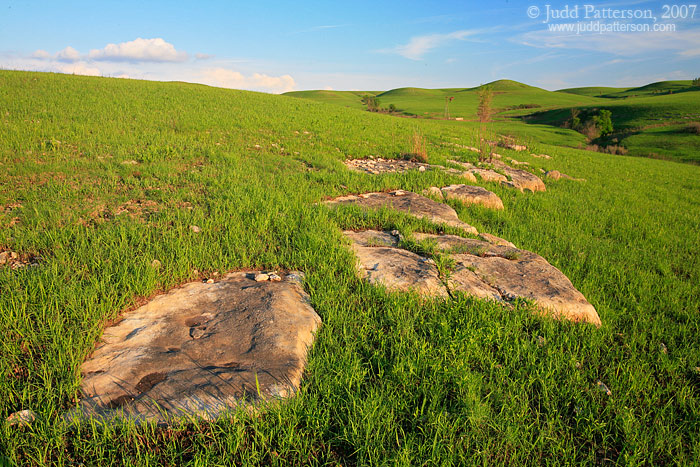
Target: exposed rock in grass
<point x="381" y="262"/>
<point x="433" y="191"/>
<point x="513" y="146"/>
<point x="521" y="179"/>
<point x="541" y="156"/>
<point x="483" y="269"/>
<point x="201" y="349"/>
<point x="556" y="175"/>
<point x="488" y="175"/>
<point x="517" y="273"/>
<point x="22" y="418"/>
<point x="195" y="229"/>
<point x="487" y="237"/>
<point x="380" y="165"/>
<point x="15" y="261"/>
<point x="408" y="202"/>
<point x="473" y="195"/>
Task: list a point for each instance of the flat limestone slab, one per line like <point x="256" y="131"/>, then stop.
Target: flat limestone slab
<point x="201" y="349"/>
<point x="513" y="273"/>
<point x="408" y="202"/>
<point x="521" y="179"/>
<point x="469" y="194"/>
<point x="380" y="261"/>
<point x="380" y="165"/>
<point x="498" y="272"/>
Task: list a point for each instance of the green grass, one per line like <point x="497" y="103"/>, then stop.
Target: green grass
<point x="392" y="379"/>
<point x="594" y="91"/>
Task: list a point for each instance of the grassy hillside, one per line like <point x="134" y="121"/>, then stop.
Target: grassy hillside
<point x="102" y="176"/>
<point x="594" y="91"/>
<point x="351" y="99"/>
<point x="656" y="120"/>
<point x="658" y="126"/>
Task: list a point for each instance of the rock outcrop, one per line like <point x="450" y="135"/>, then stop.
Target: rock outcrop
<point x="468" y="194"/>
<point x="484" y="270"/>
<point x="408" y="202"/>
<point x="201" y="349"/>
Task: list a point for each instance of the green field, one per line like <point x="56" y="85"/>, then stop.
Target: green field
<point x="392" y="379"/>
<point x="638" y="114"/>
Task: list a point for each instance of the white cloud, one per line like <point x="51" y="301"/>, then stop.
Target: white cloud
<point x="41" y="54"/>
<point x="226" y="78"/>
<point x="418" y="46"/>
<point x="200" y="56"/>
<point x="139" y="50"/>
<point x="69" y="54"/>
<point x="79" y="68"/>
<point x="328" y="88"/>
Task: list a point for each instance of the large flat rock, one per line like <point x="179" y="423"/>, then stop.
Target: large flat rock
<point x="514" y="273"/>
<point x="469" y="194"/>
<point x="381" y="262"/>
<point x="201" y="349"/>
<point x="408" y="202"/>
<point x="486" y="270"/>
<point x="521" y="179"/>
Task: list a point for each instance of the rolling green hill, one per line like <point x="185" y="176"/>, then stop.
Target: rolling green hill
<point x="637" y="113"/>
<point x="594" y="91"/>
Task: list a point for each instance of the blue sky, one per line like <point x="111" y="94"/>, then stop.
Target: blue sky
<point x="283" y="46"/>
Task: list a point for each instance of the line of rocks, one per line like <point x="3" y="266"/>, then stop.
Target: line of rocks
<point x="484" y="270"/>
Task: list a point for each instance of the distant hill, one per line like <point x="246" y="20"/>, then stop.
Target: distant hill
<point x="657" y="119"/>
<point x="653" y="89"/>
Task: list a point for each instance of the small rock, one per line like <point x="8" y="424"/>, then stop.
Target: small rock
<point x="156" y="264"/>
<point x="603" y="388"/>
<point x="21" y="418"/>
<point x="261" y="277"/>
<point x="433" y="191"/>
<point x="196" y="333"/>
<point x="210" y="281"/>
<point x="296" y="276"/>
<point x="4" y="257"/>
<point x="195" y="229"/>
<point x="274" y="277"/>
<point x="132" y="162"/>
<point x="421" y="168"/>
<point x="398" y="193"/>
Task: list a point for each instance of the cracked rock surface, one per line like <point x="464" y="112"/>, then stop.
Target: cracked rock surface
<point x="201" y="349"/>
<point x="469" y="194"/>
<point x="486" y="270"/>
<point x="408" y="202"/>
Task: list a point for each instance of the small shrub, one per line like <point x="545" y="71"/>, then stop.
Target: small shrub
<point x="696" y="82"/>
<point x="371" y="102"/>
<point x="418" y="153"/>
<point x="590" y="130"/>
<point x="604" y="122"/>
<point x="484" y="110"/>
<point x="693" y="128"/>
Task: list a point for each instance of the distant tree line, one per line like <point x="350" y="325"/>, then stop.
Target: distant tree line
<point x="373" y="105"/>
